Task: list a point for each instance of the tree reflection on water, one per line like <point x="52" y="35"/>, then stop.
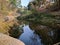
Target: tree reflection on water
<point x="29" y="37"/>
<point x="49" y="36"/>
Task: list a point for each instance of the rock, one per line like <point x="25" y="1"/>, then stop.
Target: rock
<point x="57" y="43"/>
<point x="7" y="40"/>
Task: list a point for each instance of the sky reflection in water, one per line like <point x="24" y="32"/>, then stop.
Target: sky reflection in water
<point x="29" y="38"/>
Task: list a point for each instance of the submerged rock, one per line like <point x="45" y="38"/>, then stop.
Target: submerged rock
<point x="7" y="40"/>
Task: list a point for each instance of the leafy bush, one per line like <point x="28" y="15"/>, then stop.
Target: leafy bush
<point x="14" y="31"/>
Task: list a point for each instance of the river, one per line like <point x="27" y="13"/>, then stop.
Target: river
<point x="29" y="37"/>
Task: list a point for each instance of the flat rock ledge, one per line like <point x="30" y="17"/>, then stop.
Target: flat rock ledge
<point x="7" y="40"/>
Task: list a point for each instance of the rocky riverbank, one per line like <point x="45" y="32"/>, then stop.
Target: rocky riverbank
<point x="7" y="40"/>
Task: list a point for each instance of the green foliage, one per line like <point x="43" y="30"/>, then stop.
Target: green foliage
<point x="43" y="19"/>
<point x="14" y="31"/>
<point x="13" y="2"/>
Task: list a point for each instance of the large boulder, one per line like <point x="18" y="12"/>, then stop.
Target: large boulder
<point x="7" y="40"/>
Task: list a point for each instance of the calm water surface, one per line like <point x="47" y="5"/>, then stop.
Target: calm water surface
<point x="29" y="37"/>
